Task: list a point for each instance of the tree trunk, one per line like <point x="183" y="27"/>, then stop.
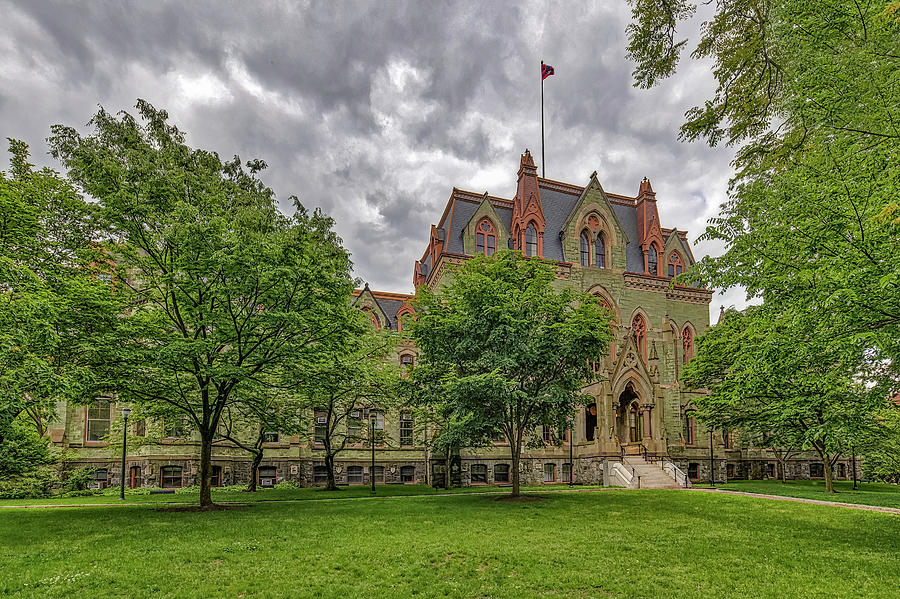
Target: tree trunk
<point x="329" y="467"/>
<point x="447" y="470"/>
<point x="254" y="470"/>
<point x="206" y="441"/>
<point x="829" y="480"/>
<point x="514" y="458"/>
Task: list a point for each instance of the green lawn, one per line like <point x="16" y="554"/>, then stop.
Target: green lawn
<point x="604" y="544"/>
<point x="868" y="493"/>
<point x="235" y="494"/>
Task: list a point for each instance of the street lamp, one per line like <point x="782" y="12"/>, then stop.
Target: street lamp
<point x="372" y="466"/>
<point x="126" y="412"/>
<point x="571" y="461"/>
<point x="712" y="461"/>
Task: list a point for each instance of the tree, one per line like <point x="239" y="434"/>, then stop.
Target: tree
<point x="882" y="448"/>
<point x="351" y="381"/>
<point x="57" y="299"/>
<point x="774" y="373"/>
<point x="510" y="347"/>
<point x="225" y="290"/>
<point x="808" y="93"/>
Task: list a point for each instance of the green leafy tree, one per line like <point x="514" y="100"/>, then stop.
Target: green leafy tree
<point x="775" y="374"/>
<point x="224" y="289"/>
<point x="58" y="297"/>
<point x="881" y="448"/>
<point x="510" y="347"/>
<point x="808" y="92"/>
<point x="350" y="381"/>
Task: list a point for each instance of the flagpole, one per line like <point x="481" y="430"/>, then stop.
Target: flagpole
<point x="543" y="158"/>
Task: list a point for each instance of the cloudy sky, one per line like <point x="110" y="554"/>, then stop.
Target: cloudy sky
<point x="374" y="111"/>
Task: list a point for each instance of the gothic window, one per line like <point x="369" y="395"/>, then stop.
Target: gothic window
<point x="585" y="249"/>
<point x="652" y="259"/>
<point x="531" y="243"/>
<point x="676" y="264"/>
<point x="98" y="414"/>
<point x="600" y="252"/>
<point x="590" y="422"/>
<point x="687" y="345"/>
<point x="639" y="333"/>
<point x="485" y="238"/>
<point x="372" y="316"/>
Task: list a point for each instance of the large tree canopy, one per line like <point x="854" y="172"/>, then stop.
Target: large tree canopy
<point x="810" y="94"/>
<point x="510" y="349"/>
<point x="787" y="377"/>
<point x="56" y="300"/>
<point x="226" y="291"/>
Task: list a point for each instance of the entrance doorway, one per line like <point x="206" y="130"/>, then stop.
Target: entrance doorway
<point x="629" y="420"/>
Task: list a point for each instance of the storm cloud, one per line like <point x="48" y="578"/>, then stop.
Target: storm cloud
<point x="374" y="111"/>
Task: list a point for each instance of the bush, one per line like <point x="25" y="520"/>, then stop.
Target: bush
<point x="288" y="484"/>
<point x="36" y="484"/>
<point x="77" y="479"/>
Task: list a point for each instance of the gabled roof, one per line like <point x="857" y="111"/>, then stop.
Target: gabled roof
<point x="389" y="303"/>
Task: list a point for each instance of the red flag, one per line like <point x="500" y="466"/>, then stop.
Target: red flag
<point x="546" y="71"/>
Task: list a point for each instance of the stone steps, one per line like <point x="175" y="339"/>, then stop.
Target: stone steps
<point x="651" y="475"/>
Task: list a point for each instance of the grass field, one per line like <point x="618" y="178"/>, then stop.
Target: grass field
<point x="237" y="495"/>
<point x="601" y="544"/>
<point x="868" y="493"/>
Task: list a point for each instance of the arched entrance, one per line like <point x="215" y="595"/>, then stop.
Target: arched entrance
<point x="629" y="417"/>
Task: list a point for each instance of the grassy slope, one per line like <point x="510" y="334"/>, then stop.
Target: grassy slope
<point x="615" y="543"/>
<point x="868" y="493"/>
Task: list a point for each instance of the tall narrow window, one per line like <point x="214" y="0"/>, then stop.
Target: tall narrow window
<point x="585" y="249"/>
<point x="634" y="423"/>
<point x="215" y="478"/>
<point x="687" y="345"/>
<point x="652" y="259"/>
<point x="690" y="425"/>
<point x="485" y="238"/>
<point x="135" y="478"/>
<point x="639" y="333"/>
<point x="406" y="429"/>
<point x="676" y="264"/>
<point x="321" y="427"/>
<point x="531" y="243"/>
<point x="378" y="474"/>
<point x="549" y="473"/>
<point x="600" y="251"/>
<point x="98" y="420"/>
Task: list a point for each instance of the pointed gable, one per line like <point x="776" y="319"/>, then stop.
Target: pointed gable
<point x="649" y="230"/>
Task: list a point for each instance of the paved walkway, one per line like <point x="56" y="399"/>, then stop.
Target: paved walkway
<point x="857" y="506"/>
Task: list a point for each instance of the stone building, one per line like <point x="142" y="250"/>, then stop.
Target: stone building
<point x="610" y="245"/>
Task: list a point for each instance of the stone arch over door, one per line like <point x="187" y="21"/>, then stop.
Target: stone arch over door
<point x="633" y="407"/>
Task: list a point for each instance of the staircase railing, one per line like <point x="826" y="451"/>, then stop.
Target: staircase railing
<point x="675" y="472"/>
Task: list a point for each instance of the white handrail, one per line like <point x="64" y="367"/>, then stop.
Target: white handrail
<point x="675" y="472"/>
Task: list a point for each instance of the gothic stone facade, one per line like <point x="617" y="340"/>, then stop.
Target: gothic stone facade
<point x="610" y="245"/>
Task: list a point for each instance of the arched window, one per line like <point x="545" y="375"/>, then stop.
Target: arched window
<point x="687" y="345"/>
<point x="600" y="251"/>
<point x="531" y="240"/>
<point x="585" y="249"/>
<point x="676" y="265"/>
<point x="653" y="260"/>
<point x="639" y="333"/>
<point x="372" y="316"/>
<point x="485" y="238"/>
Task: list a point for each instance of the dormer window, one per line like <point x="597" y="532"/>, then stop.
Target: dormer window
<point x="585" y="249"/>
<point x="653" y="260"/>
<point x="676" y="265"/>
<point x="600" y="251"/>
<point x="485" y="238"/>
<point x="531" y="244"/>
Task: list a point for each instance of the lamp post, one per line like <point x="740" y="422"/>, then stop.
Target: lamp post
<point x="571" y="461"/>
<point x="853" y="465"/>
<point x="372" y="443"/>
<point x="712" y="462"/>
<point x="126" y="412"/>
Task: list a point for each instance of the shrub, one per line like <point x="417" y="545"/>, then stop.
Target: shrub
<point x="36" y="484"/>
<point x="77" y="479"/>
